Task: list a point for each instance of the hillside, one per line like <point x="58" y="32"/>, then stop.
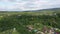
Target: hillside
<point x="30" y="22"/>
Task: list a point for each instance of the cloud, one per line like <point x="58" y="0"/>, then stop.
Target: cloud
<point x="28" y="4"/>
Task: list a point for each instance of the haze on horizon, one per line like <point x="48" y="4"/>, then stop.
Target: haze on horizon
<point x="21" y="5"/>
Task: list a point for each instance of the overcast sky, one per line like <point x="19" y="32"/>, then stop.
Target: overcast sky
<point x="18" y="5"/>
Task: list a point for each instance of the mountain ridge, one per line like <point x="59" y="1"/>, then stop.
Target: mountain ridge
<point x="51" y="9"/>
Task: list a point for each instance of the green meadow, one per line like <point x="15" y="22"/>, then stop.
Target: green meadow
<point x="17" y="22"/>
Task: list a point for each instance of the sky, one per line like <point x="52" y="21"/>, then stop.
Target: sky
<point x="22" y="5"/>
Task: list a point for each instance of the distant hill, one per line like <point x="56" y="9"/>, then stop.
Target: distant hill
<point x="51" y="9"/>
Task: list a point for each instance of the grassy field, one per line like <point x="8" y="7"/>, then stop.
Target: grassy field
<point x="20" y="21"/>
<point x="27" y="13"/>
<point x="9" y="32"/>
